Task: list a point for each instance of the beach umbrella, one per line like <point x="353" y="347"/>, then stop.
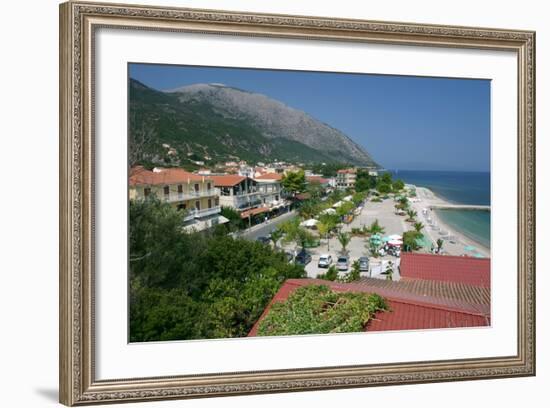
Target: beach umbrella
<point x="395" y="242"/>
<point x="309" y="223"/>
<point x="478" y="256"/>
<point x="469" y="248"/>
<point x="395" y="237"/>
<point x="375" y="239"/>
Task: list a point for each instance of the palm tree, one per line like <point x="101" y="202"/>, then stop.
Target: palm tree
<point x="412" y="215"/>
<point x="418" y="226"/>
<point x="376" y="228"/>
<point x="275" y="236"/>
<point x="439" y="243"/>
<point x="344" y="239"/>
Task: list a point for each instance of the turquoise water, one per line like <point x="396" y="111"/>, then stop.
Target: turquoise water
<point x="458" y="188"/>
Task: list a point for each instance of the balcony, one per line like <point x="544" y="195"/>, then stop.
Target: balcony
<point x="189" y="195"/>
<point x="205" y="212"/>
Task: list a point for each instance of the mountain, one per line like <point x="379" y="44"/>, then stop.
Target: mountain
<point x="218" y="123"/>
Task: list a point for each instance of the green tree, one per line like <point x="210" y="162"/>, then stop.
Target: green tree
<point x="418" y="226"/>
<point x="383" y="188"/>
<point x="235" y="221"/>
<point x="386" y="178"/>
<point x="375" y="228"/>
<point x="412" y="215"/>
<point x="275" y="236"/>
<point x="409" y="240"/>
<point x="439" y="243"/>
<point x="354" y="274"/>
<point x="344" y="238"/>
<point x="398" y="185"/>
<point x="345" y="208"/>
<point x="314" y="189"/>
<point x="331" y="274"/>
<point x="294" y="182"/>
<point x="358" y="198"/>
<point x="296" y="233"/>
<point x="309" y="209"/>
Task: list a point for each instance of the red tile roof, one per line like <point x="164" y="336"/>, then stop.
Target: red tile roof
<point x="347" y="171"/>
<point x="162" y="176"/>
<point x="458" y="269"/>
<point x="408" y="311"/>
<point x="269" y="176"/>
<point x="227" y="180"/>
<point x="317" y="179"/>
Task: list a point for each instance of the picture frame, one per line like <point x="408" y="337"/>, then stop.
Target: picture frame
<point x="79" y="23"/>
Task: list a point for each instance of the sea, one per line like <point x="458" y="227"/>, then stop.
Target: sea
<point x="458" y="188"/>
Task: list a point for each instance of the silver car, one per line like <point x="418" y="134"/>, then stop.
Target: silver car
<point x="363" y="264"/>
<point x="343" y="263"/>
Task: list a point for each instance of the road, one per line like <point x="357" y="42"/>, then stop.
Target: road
<point x="264" y="229"/>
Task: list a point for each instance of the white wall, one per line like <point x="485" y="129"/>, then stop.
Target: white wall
<point x="28" y="220"/>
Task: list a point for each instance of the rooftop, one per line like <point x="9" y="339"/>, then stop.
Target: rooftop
<point x="162" y="176"/>
<point x="269" y="176"/>
<point x="445" y="268"/>
<point x="408" y="311"/>
<point x="228" y="180"/>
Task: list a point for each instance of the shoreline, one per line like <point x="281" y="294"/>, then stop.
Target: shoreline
<point x="427" y="198"/>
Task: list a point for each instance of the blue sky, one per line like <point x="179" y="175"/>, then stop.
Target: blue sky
<point x="414" y="123"/>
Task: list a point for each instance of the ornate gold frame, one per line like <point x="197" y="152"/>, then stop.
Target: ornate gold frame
<point x="78" y="22"/>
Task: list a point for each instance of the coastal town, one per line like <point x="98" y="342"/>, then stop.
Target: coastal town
<point x="351" y="229"/>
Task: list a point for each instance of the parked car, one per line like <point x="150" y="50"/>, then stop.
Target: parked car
<point x="263" y="239"/>
<point x="343" y="263"/>
<point x="363" y="264"/>
<point x="324" y="261"/>
<point x="303" y="258"/>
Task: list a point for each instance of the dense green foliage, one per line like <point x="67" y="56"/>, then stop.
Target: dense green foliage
<point x="331" y="274"/>
<point x="315" y="309"/>
<point x="196" y="285"/>
<point x="409" y="240"/>
<point x="294" y="181"/>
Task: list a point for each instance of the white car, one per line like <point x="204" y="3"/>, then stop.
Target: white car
<point x="343" y="263"/>
<point x="324" y="261"/>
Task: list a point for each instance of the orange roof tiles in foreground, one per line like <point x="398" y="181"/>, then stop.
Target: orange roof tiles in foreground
<point x="445" y="268"/>
<point x="408" y="311"/>
<point x="162" y="176"/>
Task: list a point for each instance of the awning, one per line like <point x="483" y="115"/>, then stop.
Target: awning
<point x="254" y="211"/>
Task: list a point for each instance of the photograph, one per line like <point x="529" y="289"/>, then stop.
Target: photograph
<point x="267" y="202"/>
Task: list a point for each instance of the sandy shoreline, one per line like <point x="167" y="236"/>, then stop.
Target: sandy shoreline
<point x="454" y="246"/>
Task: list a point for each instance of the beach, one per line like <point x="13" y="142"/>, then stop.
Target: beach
<point x="458" y="240"/>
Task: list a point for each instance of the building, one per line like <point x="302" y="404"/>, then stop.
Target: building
<point x="445" y="268"/>
<point x="183" y="190"/>
<point x="410" y="307"/>
<point x="238" y="192"/>
<point x="346" y="178"/>
<point x="271" y="191"/>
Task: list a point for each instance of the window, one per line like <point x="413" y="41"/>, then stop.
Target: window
<point x="209" y="203"/>
<point x="197" y="188"/>
<point x="198" y="205"/>
<point x="217" y="201"/>
<point x="209" y="186"/>
<point x="180" y="189"/>
<point x="146" y="191"/>
<point x="166" y="190"/>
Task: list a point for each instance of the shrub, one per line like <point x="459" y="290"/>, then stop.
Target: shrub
<point x="316" y="309"/>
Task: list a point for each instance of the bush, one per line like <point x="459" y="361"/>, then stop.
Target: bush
<point x="331" y="274"/>
<point x="315" y="309"/>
